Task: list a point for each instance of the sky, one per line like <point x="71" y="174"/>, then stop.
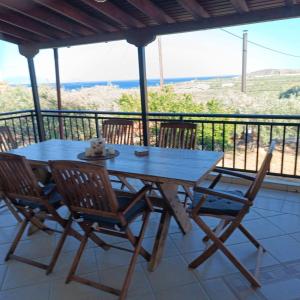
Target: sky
<point x="194" y="54"/>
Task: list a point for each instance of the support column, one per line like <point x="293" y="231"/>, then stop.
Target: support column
<point x="29" y="53"/>
<point x="58" y="93"/>
<point x="244" y="66"/>
<point x="140" y="41"/>
<point x="143" y="93"/>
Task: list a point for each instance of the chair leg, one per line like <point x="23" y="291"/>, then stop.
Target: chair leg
<point x="17" y="239"/>
<point x="125" y="183"/>
<point x="134" y="240"/>
<point x="222" y="224"/>
<point x="77" y="257"/>
<point x="218" y="243"/>
<point x="12" y="210"/>
<point x="137" y="251"/>
<point x="94" y="237"/>
<point x="59" y="247"/>
<point x="251" y="238"/>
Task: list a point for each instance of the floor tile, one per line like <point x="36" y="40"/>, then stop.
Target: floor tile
<point x="171" y="272"/>
<point x="114" y="277"/>
<point x="268" y="203"/>
<point x="287" y="222"/>
<point x="275" y="194"/>
<point x="291" y="208"/>
<point x="170" y="248"/>
<point x="192" y="241"/>
<point x="19" y="274"/>
<point x="74" y="290"/>
<point x="294" y="197"/>
<point x="217" y="289"/>
<point x="114" y="257"/>
<point x="283" y="248"/>
<point x="190" y="291"/>
<point x="287" y="289"/>
<point x="262" y="228"/>
<point x="39" y="291"/>
<point x="7" y="219"/>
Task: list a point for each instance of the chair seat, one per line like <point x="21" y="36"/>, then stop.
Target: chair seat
<point x="218" y="205"/>
<point x="123" y="201"/>
<point x="55" y="199"/>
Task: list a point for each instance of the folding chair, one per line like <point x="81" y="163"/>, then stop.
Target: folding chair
<point x="7" y="142"/>
<point x="231" y="207"/>
<point x="92" y="201"/>
<point x="20" y="186"/>
<point x="178" y="135"/>
<point x="119" y="131"/>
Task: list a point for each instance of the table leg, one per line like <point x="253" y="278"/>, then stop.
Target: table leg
<point x="174" y="208"/>
<point x="169" y="193"/>
<point x="160" y="240"/>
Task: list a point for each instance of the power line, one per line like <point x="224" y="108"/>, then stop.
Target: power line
<point x="262" y="46"/>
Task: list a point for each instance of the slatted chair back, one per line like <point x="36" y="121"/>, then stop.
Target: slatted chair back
<point x="265" y="166"/>
<point x="17" y="178"/>
<point x="7" y="142"/>
<point x="84" y="187"/>
<point x="177" y="135"/>
<point x="118" y="131"/>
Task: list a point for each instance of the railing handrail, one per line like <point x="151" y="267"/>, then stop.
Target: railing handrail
<point x="15" y="112"/>
<point x="204" y="115"/>
<point x="160" y="114"/>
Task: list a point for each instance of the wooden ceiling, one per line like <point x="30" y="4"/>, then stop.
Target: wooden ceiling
<point x="58" y="23"/>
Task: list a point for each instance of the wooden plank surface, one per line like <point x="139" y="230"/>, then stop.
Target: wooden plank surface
<point x="161" y="165"/>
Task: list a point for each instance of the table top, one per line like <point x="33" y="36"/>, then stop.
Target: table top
<point x="179" y="166"/>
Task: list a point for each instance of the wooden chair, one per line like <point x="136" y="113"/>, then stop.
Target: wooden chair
<point x="119" y="131"/>
<point x="21" y="187"/>
<point x="231" y="207"/>
<point x="178" y="135"/>
<point x="7" y="142"/>
<point x="88" y="192"/>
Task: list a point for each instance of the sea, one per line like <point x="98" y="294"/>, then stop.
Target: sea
<point x="129" y="84"/>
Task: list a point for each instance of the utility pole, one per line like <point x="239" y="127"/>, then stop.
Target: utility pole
<point x="244" y="63"/>
<point x="161" y="71"/>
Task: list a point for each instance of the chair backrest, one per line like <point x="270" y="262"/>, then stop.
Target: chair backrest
<point x="7" y="142"/>
<point x="177" y="135"/>
<point x="265" y="166"/>
<point x="17" y="179"/>
<point x="118" y="131"/>
<point x="84" y="186"/>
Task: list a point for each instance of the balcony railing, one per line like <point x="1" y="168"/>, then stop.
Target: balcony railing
<point x="243" y="138"/>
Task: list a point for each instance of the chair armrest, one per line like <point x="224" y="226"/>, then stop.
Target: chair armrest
<point x="208" y="191"/>
<point x="233" y="173"/>
<point x="138" y="196"/>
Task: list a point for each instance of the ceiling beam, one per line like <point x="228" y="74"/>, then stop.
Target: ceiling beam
<point x="29" y="24"/>
<point x="11" y="39"/>
<point x="257" y="16"/>
<point x="20" y="33"/>
<point x="42" y="14"/>
<point x="115" y="13"/>
<point x="290" y="2"/>
<point x="240" y="6"/>
<point x="148" y="8"/>
<point x="194" y="8"/>
<point x="77" y="15"/>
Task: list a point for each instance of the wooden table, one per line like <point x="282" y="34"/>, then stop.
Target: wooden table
<point x="167" y="168"/>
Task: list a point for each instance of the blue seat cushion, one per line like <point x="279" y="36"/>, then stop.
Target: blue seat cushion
<point x="123" y="201"/>
<point x="218" y="205"/>
<point x="55" y="199"/>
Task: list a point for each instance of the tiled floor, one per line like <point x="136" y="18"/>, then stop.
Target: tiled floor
<point x="274" y="220"/>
